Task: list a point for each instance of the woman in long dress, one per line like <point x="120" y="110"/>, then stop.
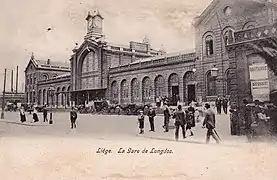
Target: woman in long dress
<point x="35" y="116"/>
<point x="22" y="115"/>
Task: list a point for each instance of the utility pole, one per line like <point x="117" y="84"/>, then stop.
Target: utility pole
<point x="12" y="82"/>
<point x="16" y="81"/>
<point x="3" y="98"/>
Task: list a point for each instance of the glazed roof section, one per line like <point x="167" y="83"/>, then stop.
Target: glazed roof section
<point x="168" y="56"/>
<point x="171" y="58"/>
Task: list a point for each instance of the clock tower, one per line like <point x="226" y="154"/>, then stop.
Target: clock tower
<point x="94" y="25"/>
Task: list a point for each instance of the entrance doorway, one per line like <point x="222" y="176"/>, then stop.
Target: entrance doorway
<point x="175" y="95"/>
<point x="191" y="93"/>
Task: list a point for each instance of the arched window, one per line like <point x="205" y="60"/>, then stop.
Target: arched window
<point x="134" y="90"/>
<point x="58" y="96"/>
<point x="44" y="77"/>
<point x="209" y="45"/>
<point x="249" y="25"/>
<point x="146" y="89"/>
<point x="211" y="85"/>
<point x="90" y="63"/>
<point x="63" y="98"/>
<point x="229" y="36"/>
<point x="173" y="88"/>
<point x="159" y="86"/>
<point x="124" y="90"/>
<point x="44" y="97"/>
<point x="68" y="96"/>
<point x="114" y="90"/>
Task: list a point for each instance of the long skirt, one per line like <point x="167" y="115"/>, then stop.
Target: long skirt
<point x="22" y="117"/>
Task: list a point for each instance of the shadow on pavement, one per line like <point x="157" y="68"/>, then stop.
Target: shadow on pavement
<point x="185" y="141"/>
<point x="24" y="124"/>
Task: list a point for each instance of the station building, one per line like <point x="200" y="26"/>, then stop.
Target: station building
<point x="136" y="73"/>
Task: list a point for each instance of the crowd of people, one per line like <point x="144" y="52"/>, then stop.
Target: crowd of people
<point x="73" y="116"/>
<point x="255" y="118"/>
<point x="245" y="117"/>
<point x="185" y="120"/>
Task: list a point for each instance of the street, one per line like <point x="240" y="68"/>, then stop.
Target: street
<point x="109" y="147"/>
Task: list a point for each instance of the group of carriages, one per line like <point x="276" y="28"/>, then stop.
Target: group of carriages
<point x="103" y="107"/>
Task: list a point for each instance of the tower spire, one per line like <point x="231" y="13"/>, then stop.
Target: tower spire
<point x="32" y="56"/>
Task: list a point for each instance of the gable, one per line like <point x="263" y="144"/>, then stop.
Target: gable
<point x="30" y="65"/>
<point x="239" y="8"/>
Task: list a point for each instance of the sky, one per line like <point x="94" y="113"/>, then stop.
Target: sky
<point x="24" y="27"/>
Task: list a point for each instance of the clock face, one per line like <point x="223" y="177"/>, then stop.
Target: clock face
<point x="97" y="23"/>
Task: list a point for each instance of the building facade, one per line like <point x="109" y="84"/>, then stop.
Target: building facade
<point x="215" y="29"/>
<point x="40" y="76"/>
<point x="139" y="74"/>
<point x="93" y="60"/>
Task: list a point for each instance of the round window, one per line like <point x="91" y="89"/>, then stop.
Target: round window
<point x="227" y="11"/>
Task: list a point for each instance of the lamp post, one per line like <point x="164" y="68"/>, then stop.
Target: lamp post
<point x="51" y="94"/>
<point x="3" y="98"/>
<point x="214" y="71"/>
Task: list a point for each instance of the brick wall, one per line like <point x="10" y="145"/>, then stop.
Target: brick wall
<point x="215" y="23"/>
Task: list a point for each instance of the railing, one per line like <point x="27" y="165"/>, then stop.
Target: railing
<point x="256" y="33"/>
<point x="153" y="62"/>
<point x="55" y="79"/>
<point x="57" y="67"/>
<point x="129" y="50"/>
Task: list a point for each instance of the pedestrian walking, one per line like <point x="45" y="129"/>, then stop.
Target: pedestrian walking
<point x="141" y="122"/>
<point x="151" y="115"/>
<point x="22" y="115"/>
<point x="190" y="119"/>
<point x="45" y="119"/>
<point x="166" y="117"/>
<point x="180" y="121"/>
<point x="218" y="103"/>
<point x="73" y="118"/>
<point x="225" y="105"/>
<point x="35" y="116"/>
<point x="209" y="123"/>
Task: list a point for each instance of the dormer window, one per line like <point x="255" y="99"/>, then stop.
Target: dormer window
<point x="209" y="42"/>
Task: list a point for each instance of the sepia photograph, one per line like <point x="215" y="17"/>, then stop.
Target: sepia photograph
<point x="138" y="89"/>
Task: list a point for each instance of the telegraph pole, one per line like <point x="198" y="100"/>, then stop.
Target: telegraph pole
<point x="16" y="81"/>
<point x="3" y="98"/>
<point x="12" y="82"/>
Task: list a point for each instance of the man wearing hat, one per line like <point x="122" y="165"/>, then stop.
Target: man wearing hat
<point x="166" y="117"/>
<point x="209" y="123"/>
<point x="141" y="122"/>
<point x="73" y="118"/>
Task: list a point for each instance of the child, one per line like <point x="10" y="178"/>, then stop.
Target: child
<point x="141" y="122"/>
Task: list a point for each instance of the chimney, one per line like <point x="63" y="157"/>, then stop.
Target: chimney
<point x="12" y="82"/>
<point x="48" y="61"/>
<point x="16" y="80"/>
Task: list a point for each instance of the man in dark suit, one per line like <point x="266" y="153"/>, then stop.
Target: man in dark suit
<point x="73" y="118"/>
<point x="166" y="117"/>
<point x="225" y="104"/>
<point x="209" y="123"/>
<point x="151" y="114"/>
<point x="218" y="103"/>
<point x="180" y="120"/>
